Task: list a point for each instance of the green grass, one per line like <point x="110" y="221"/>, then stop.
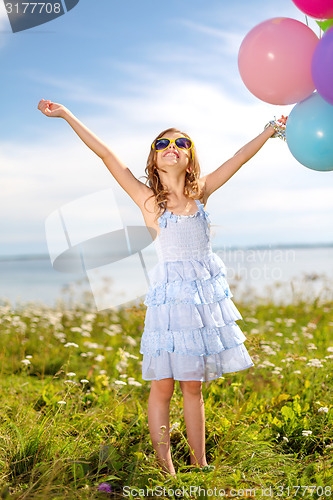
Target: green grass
<point x="90" y="361"/>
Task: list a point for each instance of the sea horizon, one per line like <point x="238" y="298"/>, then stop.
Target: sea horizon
<point x="273" y="246"/>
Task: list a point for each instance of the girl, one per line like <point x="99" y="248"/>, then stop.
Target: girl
<point x="190" y="332"/>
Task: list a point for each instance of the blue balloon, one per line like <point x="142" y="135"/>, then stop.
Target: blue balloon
<point x="309" y="133"/>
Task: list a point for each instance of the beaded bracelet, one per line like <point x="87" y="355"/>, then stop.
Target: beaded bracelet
<point x="280" y="129"/>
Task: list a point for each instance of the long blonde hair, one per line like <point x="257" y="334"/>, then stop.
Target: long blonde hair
<point x="191" y="187"/>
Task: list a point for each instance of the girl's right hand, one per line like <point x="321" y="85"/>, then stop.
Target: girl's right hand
<point x="52" y="109"/>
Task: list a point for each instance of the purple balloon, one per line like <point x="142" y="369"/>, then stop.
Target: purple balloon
<point x="322" y="66"/>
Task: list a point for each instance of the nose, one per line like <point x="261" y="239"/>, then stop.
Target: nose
<point x="172" y="145"/>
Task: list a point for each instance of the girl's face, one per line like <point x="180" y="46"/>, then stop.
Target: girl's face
<point x="172" y="155"/>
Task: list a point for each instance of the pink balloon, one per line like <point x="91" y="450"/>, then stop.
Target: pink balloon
<point x="274" y="60"/>
<point x="320" y="9"/>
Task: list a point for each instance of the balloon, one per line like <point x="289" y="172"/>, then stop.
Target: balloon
<point x="320" y="9"/>
<point x="322" y="66"/>
<point x="325" y="25"/>
<point x="274" y="60"/>
<point x="309" y="133"/>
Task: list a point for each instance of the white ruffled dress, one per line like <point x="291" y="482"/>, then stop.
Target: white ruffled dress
<point x="190" y="331"/>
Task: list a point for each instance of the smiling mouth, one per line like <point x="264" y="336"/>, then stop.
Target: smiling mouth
<point x="172" y="154"/>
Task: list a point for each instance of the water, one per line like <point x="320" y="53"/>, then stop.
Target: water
<point x="279" y="273"/>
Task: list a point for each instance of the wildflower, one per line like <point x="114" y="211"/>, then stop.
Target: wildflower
<point x="87" y="327"/>
<point x="71" y="344"/>
<point x="71" y="374"/>
<point x="26" y="362"/>
<point x="311" y="325"/>
<point x="279" y="334"/>
<point x="90" y="316"/>
<point x="62" y="403"/>
<point x="104" y="487"/>
<point x="286" y="439"/>
<point x="254" y="331"/>
<point x="120" y="382"/>
<point x="323" y="408"/>
<point x="306" y="433"/>
<point x="131" y="381"/>
<point x="85" y="334"/>
<point x="174" y="426"/>
<point x="99" y="358"/>
<point x="28" y="356"/>
<point x="70" y="382"/>
<point x="298" y="372"/>
<point x="315" y="363"/>
<point x="267" y="363"/>
<point x="289" y="341"/>
<point x="330" y="349"/>
<point x="92" y="345"/>
<point x="84" y="381"/>
<point x="311" y="346"/>
<point x="113" y="329"/>
<point x="102" y="372"/>
<point x="131" y="341"/>
<point x="268" y="350"/>
<point x="329" y="445"/>
<point x="59" y="335"/>
<point x="76" y="329"/>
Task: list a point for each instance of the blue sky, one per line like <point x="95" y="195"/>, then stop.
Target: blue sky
<point x="128" y="70"/>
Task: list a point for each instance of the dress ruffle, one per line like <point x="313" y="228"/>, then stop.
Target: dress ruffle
<point x="200" y="368"/>
<point x="207" y="267"/>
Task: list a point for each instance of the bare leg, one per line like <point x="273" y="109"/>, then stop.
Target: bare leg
<point x="194" y="414"/>
<point x="158" y="420"/>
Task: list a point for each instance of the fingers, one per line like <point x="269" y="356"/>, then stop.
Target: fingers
<point x="44" y="106"/>
<point x="283" y="119"/>
<point x="41" y="102"/>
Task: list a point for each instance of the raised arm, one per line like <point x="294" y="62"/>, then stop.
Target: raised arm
<point x="136" y="189"/>
<point x="221" y="175"/>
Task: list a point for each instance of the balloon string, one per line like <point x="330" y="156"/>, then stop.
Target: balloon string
<point x="306" y="20"/>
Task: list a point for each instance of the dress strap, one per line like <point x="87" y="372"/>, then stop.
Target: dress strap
<point x="202" y="210"/>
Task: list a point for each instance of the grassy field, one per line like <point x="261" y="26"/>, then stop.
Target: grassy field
<point x="73" y="408"/>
